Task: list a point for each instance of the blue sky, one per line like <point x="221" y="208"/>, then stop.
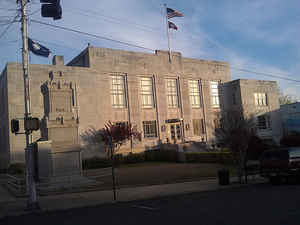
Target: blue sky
<point x="257" y="35"/>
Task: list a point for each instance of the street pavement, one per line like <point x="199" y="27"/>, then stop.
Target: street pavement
<point x="258" y="204"/>
<point x="10" y="206"/>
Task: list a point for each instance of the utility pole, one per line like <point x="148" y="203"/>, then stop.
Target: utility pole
<point x="30" y="183"/>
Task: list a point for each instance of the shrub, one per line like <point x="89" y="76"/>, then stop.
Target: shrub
<point x="209" y="157"/>
<point x="15" y="168"/>
<point x="161" y="155"/>
<point x="290" y="140"/>
<point x="95" y="162"/>
<point x="134" y="158"/>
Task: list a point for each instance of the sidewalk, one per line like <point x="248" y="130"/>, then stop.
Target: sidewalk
<point x="10" y="206"/>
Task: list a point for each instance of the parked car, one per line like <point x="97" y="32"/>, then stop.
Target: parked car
<point x="281" y="163"/>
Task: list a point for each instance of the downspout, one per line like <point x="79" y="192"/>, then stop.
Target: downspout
<point x="128" y="108"/>
<point x="203" y="109"/>
<point x="181" y="110"/>
<point x="156" y="108"/>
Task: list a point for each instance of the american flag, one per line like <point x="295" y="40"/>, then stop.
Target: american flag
<point x="173" y="13"/>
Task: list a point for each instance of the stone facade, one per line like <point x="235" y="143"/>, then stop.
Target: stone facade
<point x="258" y="98"/>
<point x="92" y="71"/>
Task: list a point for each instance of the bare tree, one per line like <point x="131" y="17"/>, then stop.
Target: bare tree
<point x="235" y="132"/>
<point x="113" y="136"/>
<point x="285" y="99"/>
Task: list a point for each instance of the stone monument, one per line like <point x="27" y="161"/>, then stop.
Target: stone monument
<point x="60" y="126"/>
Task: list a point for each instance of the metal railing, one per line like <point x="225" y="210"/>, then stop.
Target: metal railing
<point x="59" y="183"/>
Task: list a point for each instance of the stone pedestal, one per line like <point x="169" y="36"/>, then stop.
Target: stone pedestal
<point x="60" y="126"/>
<point x="44" y="160"/>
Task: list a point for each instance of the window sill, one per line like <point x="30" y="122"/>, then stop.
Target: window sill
<point x="148" y="108"/>
<point x="261" y="105"/>
<point x="150" y="138"/>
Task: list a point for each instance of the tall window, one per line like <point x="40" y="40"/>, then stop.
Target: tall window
<point x="263" y="122"/>
<point x="194" y="93"/>
<point x="214" y="91"/>
<point x="234" y="99"/>
<point x="147" y="92"/>
<point x="172" y="94"/>
<point x="117" y="91"/>
<point x="260" y="99"/>
<point x="149" y="129"/>
<point x="199" y="127"/>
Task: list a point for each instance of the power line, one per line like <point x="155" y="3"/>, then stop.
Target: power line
<point x="34" y="12"/>
<point x="6" y="29"/>
<point x="91" y="35"/>
<point x="264" y="74"/>
<point x="133" y="45"/>
<point x="111" y="21"/>
<point x="122" y="20"/>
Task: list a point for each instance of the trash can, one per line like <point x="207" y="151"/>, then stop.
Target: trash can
<point x="223" y="176"/>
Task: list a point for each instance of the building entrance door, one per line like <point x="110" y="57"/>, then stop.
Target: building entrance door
<point x="174" y="131"/>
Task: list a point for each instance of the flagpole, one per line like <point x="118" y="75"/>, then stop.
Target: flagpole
<point x="168" y="32"/>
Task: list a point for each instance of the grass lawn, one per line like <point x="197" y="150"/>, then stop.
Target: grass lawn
<point x="149" y="173"/>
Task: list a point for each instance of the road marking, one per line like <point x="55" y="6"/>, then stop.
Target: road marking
<point x="144" y="207"/>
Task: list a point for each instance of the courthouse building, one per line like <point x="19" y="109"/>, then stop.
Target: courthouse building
<point x="168" y="101"/>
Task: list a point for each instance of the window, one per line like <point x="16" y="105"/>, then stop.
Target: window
<point x="263" y="122"/>
<point x="199" y="127"/>
<point x="149" y="129"/>
<point x="194" y="93"/>
<point x="147" y="92"/>
<point x="233" y="99"/>
<point x="214" y="94"/>
<point x="260" y="99"/>
<point x="118" y="92"/>
<point x="172" y="93"/>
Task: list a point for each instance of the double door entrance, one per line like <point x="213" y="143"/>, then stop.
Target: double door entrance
<point x="174" y="132"/>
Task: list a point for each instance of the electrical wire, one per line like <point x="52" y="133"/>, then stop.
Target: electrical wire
<point x="119" y="20"/>
<point x="91" y="35"/>
<point x="6" y="29"/>
<point x="133" y="45"/>
<point x="263" y="74"/>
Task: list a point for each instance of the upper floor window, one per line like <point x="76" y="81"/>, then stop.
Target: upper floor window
<point x="214" y="92"/>
<point x="117" y="91"/>
<point x="194" y="93"/>
<point x="260" y="99"/>
<point x="147" y="92"/>
<point x="172" y="95"/>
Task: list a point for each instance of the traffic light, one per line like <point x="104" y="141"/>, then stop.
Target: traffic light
<point x="51" y="8"/>
<point x="15" y="127"/>
<point x="32" y="124"/>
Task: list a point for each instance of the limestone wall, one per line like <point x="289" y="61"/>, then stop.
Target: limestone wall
<point x="93" y="90"/>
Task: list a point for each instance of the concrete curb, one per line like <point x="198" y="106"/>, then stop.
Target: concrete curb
<point x="96" y="198"/>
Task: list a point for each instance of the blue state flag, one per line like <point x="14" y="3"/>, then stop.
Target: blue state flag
<point x="38" y="49"/>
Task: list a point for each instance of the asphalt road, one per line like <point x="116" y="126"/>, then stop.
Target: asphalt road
<point x="257" y="204"/>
